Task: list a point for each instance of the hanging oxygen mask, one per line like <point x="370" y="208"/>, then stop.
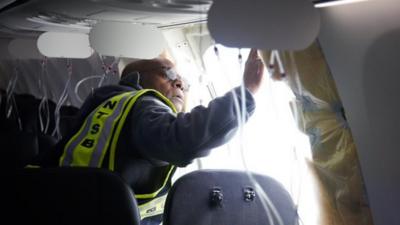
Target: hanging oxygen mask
<point x="11" y="104"/>
<point x="108" y="69"/>
<point x="44" y="108"/>
<point x="63" y="98"/>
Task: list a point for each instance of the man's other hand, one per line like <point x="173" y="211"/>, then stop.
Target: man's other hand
<point x="253" y="72"/>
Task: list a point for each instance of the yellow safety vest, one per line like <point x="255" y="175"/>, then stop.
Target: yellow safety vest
<point x="100" y="133"/>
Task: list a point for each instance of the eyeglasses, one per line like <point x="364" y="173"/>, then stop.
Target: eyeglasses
<point x="172" y="76"/>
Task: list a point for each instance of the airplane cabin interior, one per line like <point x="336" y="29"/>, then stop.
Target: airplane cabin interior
<point x="320" y="149"/>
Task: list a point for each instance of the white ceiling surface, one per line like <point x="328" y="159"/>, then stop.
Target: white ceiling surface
<point x="80" y="15"/>
<point x="36" y="16"/>
<point x="362" y="45"/>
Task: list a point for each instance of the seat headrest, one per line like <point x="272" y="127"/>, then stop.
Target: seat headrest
<point x="214" y="197"/>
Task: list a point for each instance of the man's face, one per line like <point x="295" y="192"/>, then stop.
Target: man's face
<point x="166" y="80"/>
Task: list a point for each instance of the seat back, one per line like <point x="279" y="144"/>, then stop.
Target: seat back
<point x="21" y="148"/>
<point x="23" y="140"/>
<point x="76" y="196"/>
<point x="215" y="197"/>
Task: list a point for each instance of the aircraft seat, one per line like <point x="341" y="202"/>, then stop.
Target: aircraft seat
<point x="76" y="196"/>
<point x="215" y="197"/>
<point x="21" y="148"/>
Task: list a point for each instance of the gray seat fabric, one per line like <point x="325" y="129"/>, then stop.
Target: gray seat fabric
<point x="215" y="197"/>
<point x="76" y="196"/>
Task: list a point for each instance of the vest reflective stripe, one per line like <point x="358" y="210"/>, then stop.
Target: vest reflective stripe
<point x="104" y="137"/>
<point x="100" y="133"/>
<point x="89" y="146"/>
<point x="154" y="194"/>
<point x="153" y="208"/>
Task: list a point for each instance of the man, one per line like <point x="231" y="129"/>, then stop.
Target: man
<point x="138" y="129"/>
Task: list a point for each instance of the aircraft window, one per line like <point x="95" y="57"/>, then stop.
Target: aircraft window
<point x="271" y="143"/>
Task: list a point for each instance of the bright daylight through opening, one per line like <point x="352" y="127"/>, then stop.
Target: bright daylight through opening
<point x="271" y="142"/>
